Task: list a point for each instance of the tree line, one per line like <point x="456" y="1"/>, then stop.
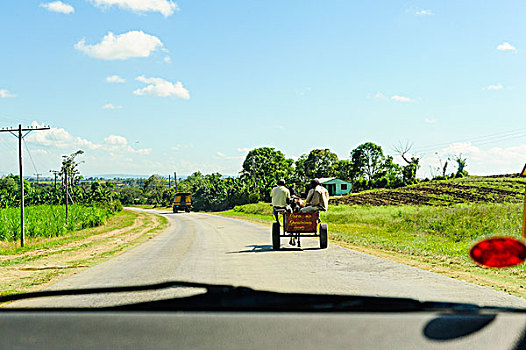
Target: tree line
<point x="70" y="189"/>
<point x="367" y="167"/>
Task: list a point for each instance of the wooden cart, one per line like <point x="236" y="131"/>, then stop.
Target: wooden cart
<point x="296" y="225"/>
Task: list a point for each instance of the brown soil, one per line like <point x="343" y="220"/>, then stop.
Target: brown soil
<point x="449" y="192"/>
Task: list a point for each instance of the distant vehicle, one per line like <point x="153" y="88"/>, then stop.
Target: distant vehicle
<point x="182" y="201"/>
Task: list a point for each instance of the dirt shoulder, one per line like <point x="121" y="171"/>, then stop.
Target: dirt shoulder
<point x="47" y="261"/>
<point x="509" y="281"/>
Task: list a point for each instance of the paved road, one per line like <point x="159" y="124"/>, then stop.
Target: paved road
<point x="211" y="249"/>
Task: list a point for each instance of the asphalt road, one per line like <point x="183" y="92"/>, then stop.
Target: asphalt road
<point x="211" y="249"/>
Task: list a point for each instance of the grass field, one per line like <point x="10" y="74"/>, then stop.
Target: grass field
<point x="49" y="220"/>
<point x="437" y="238"/>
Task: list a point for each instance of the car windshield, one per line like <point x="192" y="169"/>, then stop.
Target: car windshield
<point x="343" y="147"/>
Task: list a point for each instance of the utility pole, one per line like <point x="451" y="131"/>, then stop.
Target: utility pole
<point x="169" y="181"/>
<point x="38" y="176"/>
<point x="523" y="174"/>
<point x="67" y="193"/>
<point x="175" y="180"/>
<point x="20" y="137"/>
<point x="55" y="172"/>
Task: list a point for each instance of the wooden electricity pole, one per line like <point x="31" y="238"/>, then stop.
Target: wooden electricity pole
<point x="55" y="172"/>
<point x="18" y="134"/>
<point x="67" y="193"/>
<point x="38" y="176"/>
<point x="175" y="180"/>
<point x="169" y="181"/>
<point x="523" y="174"/>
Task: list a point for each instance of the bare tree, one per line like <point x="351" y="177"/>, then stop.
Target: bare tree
<point x="443" y="166"/>
<point x="408" y="171"/>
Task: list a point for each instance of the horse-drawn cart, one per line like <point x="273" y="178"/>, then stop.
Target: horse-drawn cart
<point x="296" y="225"/>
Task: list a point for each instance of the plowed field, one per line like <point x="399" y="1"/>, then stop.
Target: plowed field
<point x="473" y="189"/>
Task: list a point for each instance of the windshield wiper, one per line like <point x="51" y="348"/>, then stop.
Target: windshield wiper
<point x="231" y="298"/>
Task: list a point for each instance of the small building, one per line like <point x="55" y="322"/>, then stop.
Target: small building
<point x="336" y="187"/>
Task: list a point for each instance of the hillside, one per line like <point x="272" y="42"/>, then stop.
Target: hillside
<point x="472" y="189"/>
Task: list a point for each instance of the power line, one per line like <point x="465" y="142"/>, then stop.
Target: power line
<point x="30" y="157"/>
<point x="475" y="139"/>
<point x="480" y="140"/>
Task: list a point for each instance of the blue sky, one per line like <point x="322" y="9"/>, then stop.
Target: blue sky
<point x="156" y="86"/>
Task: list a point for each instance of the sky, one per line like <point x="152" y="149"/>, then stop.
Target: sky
<point x="157" y="86"/>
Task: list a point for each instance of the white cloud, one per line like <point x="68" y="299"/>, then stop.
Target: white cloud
<point x="243" y="149"/>
<point x="58" y="6"/>
<point x="380" y="96"/>
<point x="115" y="79"/>
<point x="119" y="144"/>
<point x="116" y="140"/>
<point x="4" y="93"/>
<point x="304" y="91"/>
<point x="280" y="127"/>
<point x="167" y="59"/>
<point x="61" y="139"/>
<point x="179" y="147"/>
<point x="111" y="106"/>
<point x="162" y="88"/>
<point x="423" y="12"/>
<point x="506" y="46"/>
<point x="496" y="160"/>
<point x="121" y="47"/>
<point x="400" y="98"/>
<point x="494" y="87"/>
<point x="165" y="7"/>
<point x="430" y="121"/>
<point x="224" y="156"/>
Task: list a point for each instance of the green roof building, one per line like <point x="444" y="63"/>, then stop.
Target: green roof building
<point x="336" y="187"/>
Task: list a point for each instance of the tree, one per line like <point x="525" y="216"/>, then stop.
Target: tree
<point x="130" y="195"/>
<point x="345" y="170"/>
<point x="266" y="166"/>
<point x="10" y="190"/>
<point x="319" y="163"/>
<point x="461" y="164"/>
<point x="70" y="166"/>
<point x="368" y="160"/>
<point x="153" y="188"/>
<point x="408" y="171"/>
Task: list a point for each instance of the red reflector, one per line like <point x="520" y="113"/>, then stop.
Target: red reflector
<point x="498" y="252"/>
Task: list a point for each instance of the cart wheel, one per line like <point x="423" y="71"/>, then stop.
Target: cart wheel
<point x="275" y="236"/>
<point x="324" y="240"/>
<point x="175" y="210"/>
<point x="187" y="210"/>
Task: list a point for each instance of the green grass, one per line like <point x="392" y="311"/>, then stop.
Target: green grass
<point x="426" y="230"/>
<point x="49" y="220"/>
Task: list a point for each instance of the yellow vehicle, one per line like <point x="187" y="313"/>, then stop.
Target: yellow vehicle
<point x="182" y="201"/>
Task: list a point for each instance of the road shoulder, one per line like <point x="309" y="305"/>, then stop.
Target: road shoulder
<point x="35" y="269"/>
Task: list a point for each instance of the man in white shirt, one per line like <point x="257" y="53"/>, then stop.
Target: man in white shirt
<point x="280" y="197"/>
<point x="317" y="198"/>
